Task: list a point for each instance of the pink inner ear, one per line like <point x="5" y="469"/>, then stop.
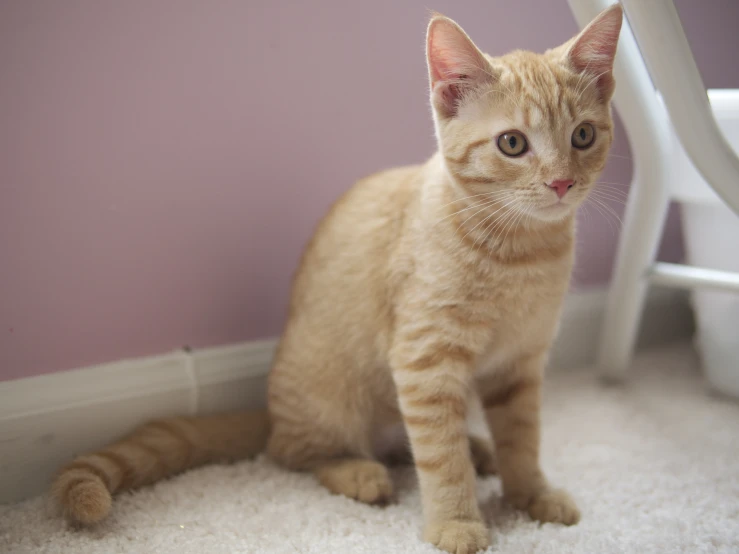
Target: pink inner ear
<point x="451" y="54"/>
<point x="455" y="64"/>
<point x="443" y="71"/>
<point x="595" y="49"/>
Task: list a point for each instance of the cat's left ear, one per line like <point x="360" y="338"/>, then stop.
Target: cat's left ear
<point x="456" y="65"/>
<point x="594" y="49"/>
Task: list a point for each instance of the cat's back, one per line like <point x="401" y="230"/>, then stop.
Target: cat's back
<point x="364" y="224"/>
<point x="346" y="272"/>
<point x="376" y="205"/>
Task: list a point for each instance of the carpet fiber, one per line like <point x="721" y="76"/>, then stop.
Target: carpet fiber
<point x="653" y="465"/>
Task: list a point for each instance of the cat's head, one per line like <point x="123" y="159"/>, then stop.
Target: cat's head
<point x="530" y="129"/>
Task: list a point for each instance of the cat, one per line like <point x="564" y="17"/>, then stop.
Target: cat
<point x="426" y="291"/>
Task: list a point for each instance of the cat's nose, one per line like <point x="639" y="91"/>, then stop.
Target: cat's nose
<point x="561" y="186"/>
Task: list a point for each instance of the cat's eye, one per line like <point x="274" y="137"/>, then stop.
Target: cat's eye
<point x="513" y="143"/>
<point x="583" y="136"/>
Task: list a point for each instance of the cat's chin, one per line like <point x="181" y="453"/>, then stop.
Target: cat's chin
<point x="553" y="212"/>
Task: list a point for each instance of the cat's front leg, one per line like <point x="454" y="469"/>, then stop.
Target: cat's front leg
<point x="513" y="409"/>
<point x="433" y="378"/>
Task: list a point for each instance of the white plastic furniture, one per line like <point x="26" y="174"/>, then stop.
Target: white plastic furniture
<point x="659" y="96"/>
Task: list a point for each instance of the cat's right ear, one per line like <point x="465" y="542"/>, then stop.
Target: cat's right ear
<point x="455" y="64"/>
<point x="593" y="51"/>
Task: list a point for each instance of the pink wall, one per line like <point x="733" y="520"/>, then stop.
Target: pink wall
<point x="163" y="162"/>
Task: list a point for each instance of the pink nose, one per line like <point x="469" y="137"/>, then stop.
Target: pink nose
<point x="561" y="186"/>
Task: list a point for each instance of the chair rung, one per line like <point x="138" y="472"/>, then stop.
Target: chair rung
<point x="686" y="276"/>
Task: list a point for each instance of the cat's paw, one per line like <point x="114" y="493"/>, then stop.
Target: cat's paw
<point x="364" y="480"/>
<point x="458" y="537"/>
<point x="555" y="506"/>
<point x="483" y="456"/>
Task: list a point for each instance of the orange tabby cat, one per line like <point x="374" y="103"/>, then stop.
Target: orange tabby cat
<point x="425" y="292"/>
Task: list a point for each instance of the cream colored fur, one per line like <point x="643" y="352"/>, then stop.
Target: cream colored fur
<point x="430" y="291"/>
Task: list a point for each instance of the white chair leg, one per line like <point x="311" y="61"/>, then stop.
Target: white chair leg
<point x="675" y="74"/>
<point x="644" y="220"/>
<point x="647" y="127"/>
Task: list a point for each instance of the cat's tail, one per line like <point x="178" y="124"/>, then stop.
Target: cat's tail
<point x="84" y="487"/>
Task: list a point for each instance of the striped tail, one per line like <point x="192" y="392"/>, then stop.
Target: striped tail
<point x="156" y="450"/>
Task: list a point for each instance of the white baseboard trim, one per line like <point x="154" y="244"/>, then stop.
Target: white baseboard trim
<point x="46" y="420"/>
<point x="667" y="317"/>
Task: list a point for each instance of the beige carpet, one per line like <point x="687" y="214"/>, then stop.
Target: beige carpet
<point x="654" y="467"/>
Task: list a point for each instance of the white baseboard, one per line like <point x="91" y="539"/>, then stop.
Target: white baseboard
<point x="667" y="317"/>
<point x="46" y="420"/>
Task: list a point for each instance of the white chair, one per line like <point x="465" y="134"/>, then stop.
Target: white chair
<point x="665" y="108"/>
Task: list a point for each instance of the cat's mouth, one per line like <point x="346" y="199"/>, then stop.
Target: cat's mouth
<point x="558" y="205"/>
<point x="554" y="210"/>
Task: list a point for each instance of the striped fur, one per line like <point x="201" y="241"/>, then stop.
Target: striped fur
<point x="156" y="450"/>
<point x="426" y="291"/>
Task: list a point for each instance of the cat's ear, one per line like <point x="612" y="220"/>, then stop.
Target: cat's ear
<point x="455" y="64"/>
<point x="594" y="49"/>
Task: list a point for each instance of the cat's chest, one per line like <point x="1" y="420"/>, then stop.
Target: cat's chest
<point x="522" y="319"/>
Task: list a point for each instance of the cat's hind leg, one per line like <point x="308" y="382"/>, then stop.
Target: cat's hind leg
<point x="342" y="468"/>
<point x="331" y="437"/>
<point x="361" y="479"/>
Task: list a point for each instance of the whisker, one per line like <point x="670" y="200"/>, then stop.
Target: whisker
<point x="492" y="197"/>
<point x="609" y="210"/>
<point x="468" y="197"/>
<point x="486" y="230"/>
<point x="607" y="196"/>
<point x="486" y="218"/>
<point x="488" y="227"/>
<point x="622" y="185"/>
<point x="513" y="226"/>
<point x="604" y="214"/>
<point x="499" y="238"/>
<point x="476" y="205"/>
<point x="477" y="212"/>
<point x="585" y="212"/>
<point x="614" y="191"/>
<point x="500" y="220"/>
<point x="527" y="216"/>
<point x="488" y="238"/>
<point x="530" y="209"/>
<point x="510" y="216"/>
